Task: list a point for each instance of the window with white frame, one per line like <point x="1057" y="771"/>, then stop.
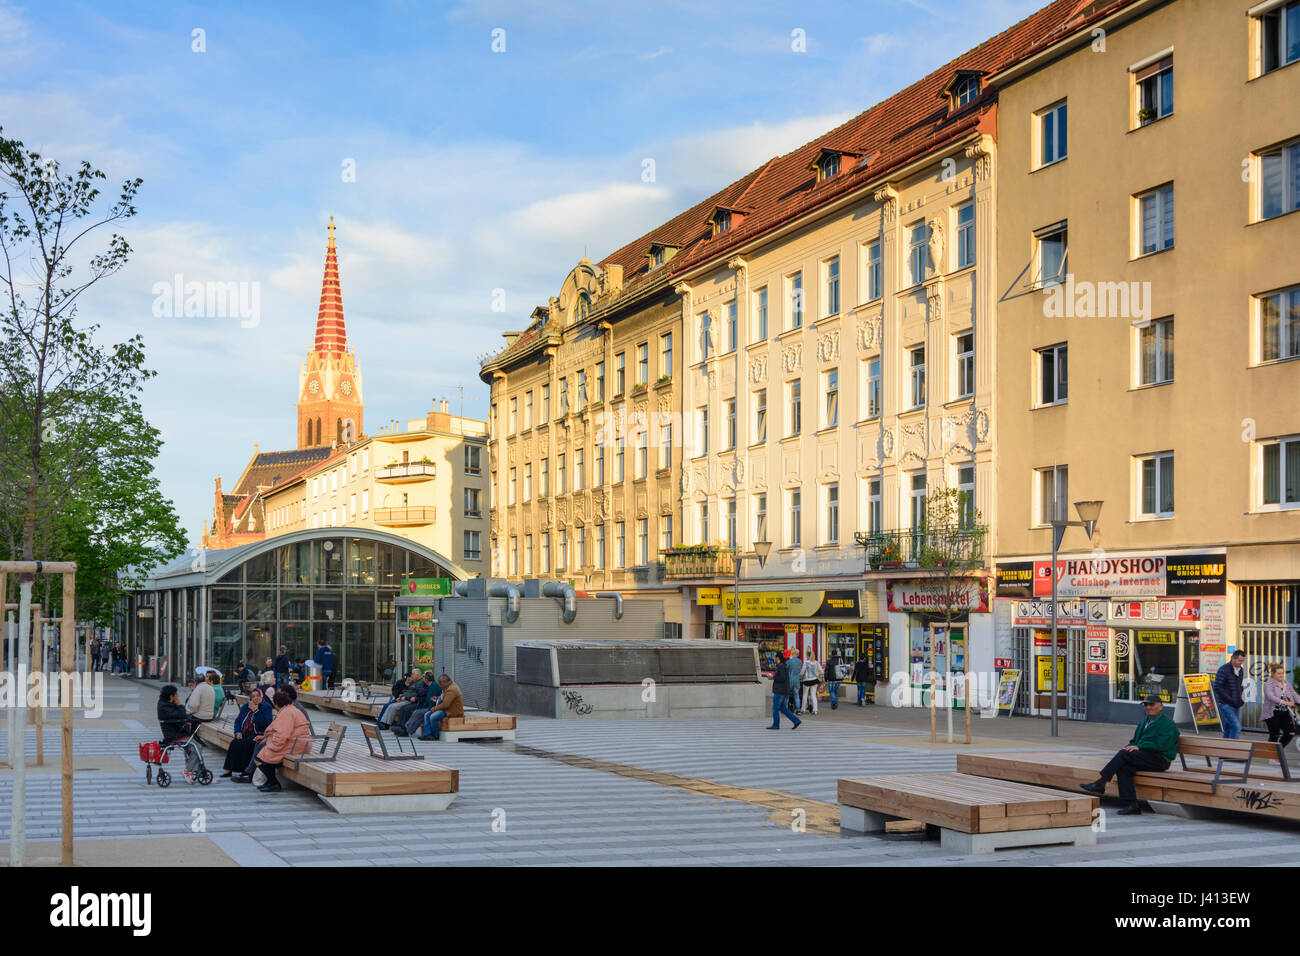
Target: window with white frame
<point x="1154" y="226"/>
<point x="1053" y="374"/>
<point x="642" y="452"/>
<point x="830" y="398"/>
<point x="729" y="406"/>
<point x="875" y="506"/>
<point x="916" y="371"/>
<point x="733" y="329"/>
<point x="546" y="552"/>
<point x="620" y="544"/>
<point x="546" y="405"/>
<point x="600" y="381"/>
<point x="643" y="363"/>
<point x="600" y="547"/>
<point x="871" y="387"/>
<point x="794" y="296"/>
<point x="760" y="315"/>
<point x="564" y="396"/>
<point x="794" y="518"/>
<point x="831" y="529"/>
<point x="666" y="355"/>
<point x="560" y="486"/>
<point x="473" y="503"/>
<point x="965" y="235"/>
<point x="511" y="487"/>
<point x="794" y="407"/>
<point x="965" y="346"/>
<point x="1153" y="90"/>
<point x="564" y="549"/>
<point x="831" y="286"/>
<point x="966" y="494"/>
<point x="598" y="471"/>
<point x="1155" y="345"/>
<point x="1155" y="485"/>
<point x="702" y="521"/>
<point x="872" y="271"/>
<point x="965" y="91"/>
<point x="642" y="541"/>
<point x="620" y="373"/>
<point x="581" y="549"/>
<point x="918" y="251"/>
<point x="665" y="532"/>
<point x="701" y="431"/>
<point x="514" y="555"/>
<point x="1051" y="494"/>
<point x="760" y="416"/>
<point x="528" y="554"/>
<point x="470" y="546"/>
<point x="579" y="468"/>
<point x="1051" y="129"/>
<point x="528" y="409"/>
<point x="916" y="500"/>
<point x="1051" y="253"/>
<point x="1279" y="324"/>
<point x="760" y="517"/>
<point x="514" y="415"/>
<point x="619" y="455"/>
<point x="545" y="478"/>
<point x="1278" y="180"/>
<point x="582" y="389"/>
<point x="528" y="482"/>
<point x="1279" y="472"/>
<point x="731" y="523"/>
<point x="666" y="443"/>
<point x="1277" y="31"/>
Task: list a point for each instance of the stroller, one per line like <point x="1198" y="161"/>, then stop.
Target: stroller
<point x="155" y="753"/>
<point x="1290" y="723"/>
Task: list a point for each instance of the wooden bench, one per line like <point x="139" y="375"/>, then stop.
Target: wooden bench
<point x="974" y="814"/>
<point x="477" y="725"/>
<point x="353" y="781"/>
<point x="374" y="736"/>
<point x="1255" y="790"/>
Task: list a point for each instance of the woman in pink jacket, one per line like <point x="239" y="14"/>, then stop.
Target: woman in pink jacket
<point x="1278" y="696"/>
<point x="288" y="734"/>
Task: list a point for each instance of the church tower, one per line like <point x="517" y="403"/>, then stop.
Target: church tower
<point x="329" y="385"/>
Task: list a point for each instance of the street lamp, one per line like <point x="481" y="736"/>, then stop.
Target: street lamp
<point x="1089" y="512"/>
<point x="761" y="550"/>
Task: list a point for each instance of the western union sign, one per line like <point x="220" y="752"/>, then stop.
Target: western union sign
<point x="793" y="604"/>
<point x="708" y="596"/>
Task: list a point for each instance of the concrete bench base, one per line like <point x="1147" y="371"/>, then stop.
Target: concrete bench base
<point x="389" y="803"/>
<point x="452" y="736"/>
<point x="857" y="820"/>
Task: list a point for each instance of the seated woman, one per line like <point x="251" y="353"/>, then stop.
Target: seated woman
<point x="218" y="692"/>
<point x="287" y="735"/>
<point x="254" y="717"/>
<point x="176" y="725"/>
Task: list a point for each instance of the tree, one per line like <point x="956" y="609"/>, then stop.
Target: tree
<point x="950" y="550"/>
<point x="76" y="453"/>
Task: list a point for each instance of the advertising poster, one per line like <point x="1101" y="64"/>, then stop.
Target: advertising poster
<point x="1008" y="682"/>
<point x="421" y="622"/>
<point x="1201" y="697"/>
<point x="1045" y="684"/>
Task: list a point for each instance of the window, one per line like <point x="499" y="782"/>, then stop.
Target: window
<point x="620" y="544"/>
<point x="721" y="222"/>
<point x="1052" y="253"/>
<point x="730" y="406"/>
<point x="702" y="515"/>
<point x="643" y="363"/>
<point x="795" y="407"/>
<point x="620" y="373"/>
<point x="733" y="332"/>
<point x="916" y="365"/>
<point x="528" y="409"/>
<point x="965" y="91"/>
<point x="665" y="532"/>
<point x="583" y="308"/>
<point x="600" y="547"/>
<point x="365" y="501"/>
<point x="528" y="482"/>
<point x="1279" y="36"/>
<point x="582" y="389"/>
<point x="492" y="489"/>
<point x="470" y="546"/>
<point x="579" y="470"/>
<point x="656" y="256"/>
<point x="564" y="549"/>
<point x="1279" y="325"/>
<point x="642" y="451"/>
<point x="619" y="450"/>
<point x="514" y="418"/>
<point x="581" y="556"/>
<point x="706" y="336"/>
<point x="352" y="506"/>
<point x="598" y="473"/>
<point x="545" y="483"/>
<point x="965" y="235"/>
<point x="916" y="501"/>
<point x="875" y="506"/>
<point x="966" y="494"/>
<point x="760" y="416"/>
<point x="701" y="431"/>
<point x="831" y="297"/>
<point x="794" y="285"/>
<point x="760" y="315"/>
<point x="1154" y="90"/>
<point x="473" y="460"/>
<point x="1279" y="181"/>
<point x="872" y="269"/>
<point x="731" y="523"/>
<point x="1052" y="137"/>
<point x="871" y="387"/>
<point x="600" y="381"/>
<point x="666" y="443"/>
<point x="514" y="567"/>
<point x="794" y="518"/>
<point x="528" y="554"/>
<point x="966" y="365"/>
<point x="564" y="396"/>
<point x="831" y="398"/>
<point x="1156" y="486"/>
<point x="832" y="513"/>
<point x="1280" y="471"/>
<point x="760" y="517"/>
<point x="546" y="552"/>
<point x="1156" y="352"/>
<point x="1053" y="368"/>
<point x="1155" y="222"/>
<point x="828" y="165"/>
<point x="1053" y="494"/>
<point x="666" y="355"/>
<point x="546" y="405"/>
<point x="512" y="486"/>
<point x="559" y="475"/>
<point x="918" y="251"/>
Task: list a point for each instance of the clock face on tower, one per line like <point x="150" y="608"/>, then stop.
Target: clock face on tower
<point x="346" y="387"/>
<point x="313" y="386"/>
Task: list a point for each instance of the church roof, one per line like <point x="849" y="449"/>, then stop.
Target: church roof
<point x="331" y="333"/>
<point x="271" y="467"/>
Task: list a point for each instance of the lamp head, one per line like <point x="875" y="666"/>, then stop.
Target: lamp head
<point x="1089" y="512"/>
<point x="761" y="550"/>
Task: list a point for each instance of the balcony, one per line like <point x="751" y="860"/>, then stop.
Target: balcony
<point x="922" y="549"/>
<point x="406" y="517"/>
<point x="406" y="472"/>
<point x="698" y="561"/>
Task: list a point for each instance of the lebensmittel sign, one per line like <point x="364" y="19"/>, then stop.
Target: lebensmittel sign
<point x="429" y="587"/>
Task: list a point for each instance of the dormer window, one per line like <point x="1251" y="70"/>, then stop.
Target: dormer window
<point x="656" y="256"/>
<point x="721" y="221"/>
<point x="965" y="91"/>
<point x="828" y="165"/>
<point x="583" y="307"/>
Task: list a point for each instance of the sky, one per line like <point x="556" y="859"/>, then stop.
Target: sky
<point x="462" y="147"/>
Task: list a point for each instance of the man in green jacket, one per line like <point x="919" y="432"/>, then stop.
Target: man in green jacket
<point x="1153" y="748"/>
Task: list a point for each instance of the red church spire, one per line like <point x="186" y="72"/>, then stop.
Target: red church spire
<point x="331" y="333"/>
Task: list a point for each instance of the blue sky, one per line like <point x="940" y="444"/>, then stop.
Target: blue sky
<point x="474" y="170"/>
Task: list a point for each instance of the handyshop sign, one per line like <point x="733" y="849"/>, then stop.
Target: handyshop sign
<point x="1102" y="575"/>
<point x="928" y="597"/>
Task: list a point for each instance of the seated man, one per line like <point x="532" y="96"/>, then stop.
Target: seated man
<point x="415" y="701"/>
<point x="399" y="691"/>
<point x="201" y="704"/>
<point x="268" y="674"/>
<point x="1153" y="748"/>
<point x="450" y="704"/>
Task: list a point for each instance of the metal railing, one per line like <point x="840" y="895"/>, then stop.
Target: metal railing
<point x="410" y="469"/>
<point x="922" y="548"/>
<point x="410" y="515"/>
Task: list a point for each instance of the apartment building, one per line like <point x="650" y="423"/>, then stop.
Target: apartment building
<point x="1148" y="170"/>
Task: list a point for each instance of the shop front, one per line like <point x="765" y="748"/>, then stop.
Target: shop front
<point x="947" y="630"/>
<point x="1130" y="625"/>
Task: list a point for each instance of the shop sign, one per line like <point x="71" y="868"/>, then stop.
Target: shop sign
<point x="1045" y="674"/>
<point x="1039" y="613"/>
<point x="429" y="587"/>
<point x="1008" y="681"/>
<point x="1100" y="577"/>
<point x="1188" y="611"/>
<point x="707" y="596"/>
<point x="1155" y="637"/>
<point x="1098" y="667"/>
<point x="1015" y="579"/>
<point x="1204" y="711"/>
<point x="1196" y="574"/>
<point x="420" y="621"/>
<point x="793" y="604"/>
<point x="1001" y="663"/>
<point x="1213" y="633"/>
<point x="969" y="597"/>
<point x="1096" y="648"/>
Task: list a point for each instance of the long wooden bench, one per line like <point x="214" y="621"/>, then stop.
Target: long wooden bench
<point x="477" y="725"/>
<point x="1262" y="784"/>
<point x="974" y="814"/>
<point x="354" y="781"/>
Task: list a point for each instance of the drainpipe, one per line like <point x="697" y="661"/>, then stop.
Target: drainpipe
<point x="565" y="594"/>
<point x="511" y="594"/>
<point x="617" y="598"/>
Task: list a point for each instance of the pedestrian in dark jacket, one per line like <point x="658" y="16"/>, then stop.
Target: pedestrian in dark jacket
<point x="861" y="676"/>
<point x="325" y="658"/>
<point x="282" y="664"/>
<point x="1227" y="692"/>
<point x="401" y="687"/>
<point x="781" y="690"/>
<point x="832" y="678"/>
<point x="794" y="667"/>
<point x="176" y="725"/>
<point x="1153" y="748"/>
<point x="417" y="698"/>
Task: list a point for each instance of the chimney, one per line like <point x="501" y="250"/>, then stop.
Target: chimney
<point x="613" y="278"/>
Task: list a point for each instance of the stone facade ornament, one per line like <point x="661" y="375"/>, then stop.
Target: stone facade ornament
<point x="887" y="196"/>
<point x="792" y="357"/>
<point x="869" y="334"/>
<point x="934" y="294"/>
<point x="935" y="227"/>
<point x="828" y="347"/>
<point x="758" y="369"/>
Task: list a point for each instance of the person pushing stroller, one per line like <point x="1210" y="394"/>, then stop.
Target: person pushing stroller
<point x="175" y="725"/>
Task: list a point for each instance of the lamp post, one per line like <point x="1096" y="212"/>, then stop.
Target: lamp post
<point x="1089" y="512"/>
<point x="761" y="550"/>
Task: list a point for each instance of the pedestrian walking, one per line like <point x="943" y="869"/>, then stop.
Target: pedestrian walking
<point x="834" y="674"/>
<point x="812" y="680"/>
<point x="1153" y="748"/>
<point x="794" y="665"/>
<point x="1278" y="709"/>
<point x="781" y="691"/>
<point x="1227" y="691"/>
<point x="861" y="675"/>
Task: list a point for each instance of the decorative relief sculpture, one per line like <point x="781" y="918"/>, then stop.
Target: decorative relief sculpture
<point x="828" y="347"/>
<point x="869" y="334"/>
<point x="758" y="369"/>
<point x="792" y="357"/>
